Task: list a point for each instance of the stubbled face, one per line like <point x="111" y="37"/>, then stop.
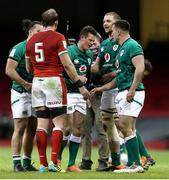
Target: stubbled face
<point x="108" y="20"/>
<point x="96" y="44"/>
<point x="115" y="33"/>
<point x="88" y="41"/>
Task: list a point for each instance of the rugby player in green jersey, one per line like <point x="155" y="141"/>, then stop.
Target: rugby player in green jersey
<point x="105" y="64"/>
<point x="24" y="120"/>
<point x="130" y="99"/>
<point x="93" y="118"/>
<point x="82" y="58"/>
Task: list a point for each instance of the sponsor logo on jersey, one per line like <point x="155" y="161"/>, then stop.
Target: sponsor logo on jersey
<point x="76" y="61"/>
<point x="107" y="57"/>
<point x="122" y="52"/>
<point x="83" y="68"/>
<point x="115" y="47"/>
<point x="117" y="63"/>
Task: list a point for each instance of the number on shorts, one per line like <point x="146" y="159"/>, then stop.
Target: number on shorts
<point x="39" y="50"/>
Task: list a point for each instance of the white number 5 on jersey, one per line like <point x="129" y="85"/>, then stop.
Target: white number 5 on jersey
<point x="39" y="51"/>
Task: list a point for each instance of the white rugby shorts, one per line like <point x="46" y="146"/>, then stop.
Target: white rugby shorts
<point x="130" y="109"/>
<point x="75" y="102"/>
<point x="49" y="92"/>
<point x="21" y="104"/>
<point x="108" y="99"/>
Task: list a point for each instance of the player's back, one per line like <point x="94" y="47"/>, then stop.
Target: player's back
<point x="44" y="49"/>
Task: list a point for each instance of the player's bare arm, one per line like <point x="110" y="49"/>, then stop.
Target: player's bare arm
<point x="106" y="87"/>
<point x="29" y="67"/>
<point x="12" y="73"/>
<point x="72" y="73"/>
<point x="138" y="62"/>
<point x="96" y="66"/>
<point x="108" y="77"/>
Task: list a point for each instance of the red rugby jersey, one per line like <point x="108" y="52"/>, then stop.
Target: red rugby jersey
<point x="43" y="49"/>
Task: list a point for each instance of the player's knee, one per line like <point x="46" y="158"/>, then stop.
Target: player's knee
<point x="110" y="127"/>
<point x="67" y="130"/>
<point x="106" y="116"/>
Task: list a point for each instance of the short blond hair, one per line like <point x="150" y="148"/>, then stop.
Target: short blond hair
<point x="114" y="14"/>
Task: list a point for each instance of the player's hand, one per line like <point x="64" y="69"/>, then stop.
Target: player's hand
<point x="95" y="91"/>
<point x="83" y="79"/>
<point x="130" y="95"/>
<point x="28" y="86"/>
<point x="85" y="93"/>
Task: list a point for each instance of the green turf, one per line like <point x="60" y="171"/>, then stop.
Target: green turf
<point x="159" y="171"/>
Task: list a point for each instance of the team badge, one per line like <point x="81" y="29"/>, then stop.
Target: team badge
<point x="115" y="47"/>
<point x="76" y="61"/>
<point x="122" y="52"/>
<point x="107" y="57"/>
<point x="83" y="68"/>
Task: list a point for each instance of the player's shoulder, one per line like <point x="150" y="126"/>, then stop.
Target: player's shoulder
<point x="72" y="47"/>
<point x="57" y="34"/>
<point x="132" y="42"/>
<point x="21" y="44"/>
<point x="105" y="42"/>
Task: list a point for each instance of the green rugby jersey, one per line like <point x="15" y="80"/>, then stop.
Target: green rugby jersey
<point x="125" y="69"/>
<point x="18" y="54"/>
<point x="107" y="53"/>
<point x="82" y="62"/>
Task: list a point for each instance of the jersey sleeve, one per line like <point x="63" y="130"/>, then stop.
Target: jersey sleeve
<point x="15" y="54"/>
<point x="135" y="50"/>
<point x="61" y="45"/>
<point x="101" y="52"/>
<point x="71" y="54"/>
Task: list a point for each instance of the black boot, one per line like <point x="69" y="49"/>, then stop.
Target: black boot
<point x="19" y="168"/>
<point x="103" y="165"/>
<point x="86" y="164"/>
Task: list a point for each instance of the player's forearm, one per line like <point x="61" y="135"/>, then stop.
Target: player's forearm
<point x="95" y="69"/>
<point x="71" y="71"/>
<point x="138" y="76"/>
<point x="29" y="67"/>
<point x="96" y="66"/>
<point x="12" y="73"/>
<point x="111" y="85"/>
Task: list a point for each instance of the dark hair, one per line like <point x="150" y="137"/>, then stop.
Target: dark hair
<point x="49" y="17"/>
<point x="27" y="24"/>
<point x="148" y="66"/>
<point x="99" y="37"/>
<point x="88" y="29"/>
<point x="123" y="25"/>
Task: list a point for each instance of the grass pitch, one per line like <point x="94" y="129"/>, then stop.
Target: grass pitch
<point x="158" y="171"/>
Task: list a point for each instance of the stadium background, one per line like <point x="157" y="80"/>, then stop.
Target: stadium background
<point x="149" y="25"/>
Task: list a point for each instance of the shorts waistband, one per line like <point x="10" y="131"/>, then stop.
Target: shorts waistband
<point x="129" y="88"/>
